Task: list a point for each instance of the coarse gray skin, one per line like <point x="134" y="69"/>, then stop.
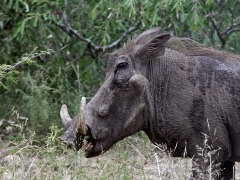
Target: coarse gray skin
<point x="175" y="90"/>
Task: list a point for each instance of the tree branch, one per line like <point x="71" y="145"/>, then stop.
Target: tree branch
<point x="234" y="27"/>
<point x="218" y="32"/>
<point x="66" y="27"/>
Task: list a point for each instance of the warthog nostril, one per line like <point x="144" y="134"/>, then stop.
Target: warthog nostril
<point x="103" y="111"/>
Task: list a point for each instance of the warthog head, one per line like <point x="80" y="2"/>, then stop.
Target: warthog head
<point x="122" y="106"/>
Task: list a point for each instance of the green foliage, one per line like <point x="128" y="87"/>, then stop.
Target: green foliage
<point x="8" y="71"/>
<point x="76" y="68"/>
<point x="53" y="138"/>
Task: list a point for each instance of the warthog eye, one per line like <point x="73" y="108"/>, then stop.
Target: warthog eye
<point x="121" y="66"/>
<point x="123" y="71"/>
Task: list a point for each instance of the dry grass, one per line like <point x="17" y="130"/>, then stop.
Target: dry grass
<point x="133" y="158"/>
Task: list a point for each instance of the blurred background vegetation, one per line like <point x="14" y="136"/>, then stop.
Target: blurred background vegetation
<point x="52" y="52"/>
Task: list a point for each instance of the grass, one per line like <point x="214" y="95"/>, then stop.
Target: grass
<point x="133" y="158"/>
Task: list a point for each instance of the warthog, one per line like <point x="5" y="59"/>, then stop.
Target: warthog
<point x="175" y="90"/>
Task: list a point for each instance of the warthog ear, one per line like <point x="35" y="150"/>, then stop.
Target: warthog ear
<point x="152" y="49"/>
<point x="156" y="46"/>
<point x="147" y="35"/>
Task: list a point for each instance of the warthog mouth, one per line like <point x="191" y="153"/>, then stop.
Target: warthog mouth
<point x="86" y="141"/>
<point x="82" y="135"/>
<point x="80" y="141"/>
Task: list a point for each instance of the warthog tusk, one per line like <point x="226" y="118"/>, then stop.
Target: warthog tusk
<point x="81" y="121"/>
<point x="66" y="119"/>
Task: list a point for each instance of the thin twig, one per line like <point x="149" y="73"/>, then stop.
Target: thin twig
<point x="8" y="70"/>
<point x="26" y="58"/>
<point x="67" y="27"/>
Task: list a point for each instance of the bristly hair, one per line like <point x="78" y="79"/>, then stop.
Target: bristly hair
<point x="192" y="48"/>
<point x="105" y="59"/>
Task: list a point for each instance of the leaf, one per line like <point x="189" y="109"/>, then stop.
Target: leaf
<point x="175" y="6"/>
<point x="201" y="20"/>
<point x="208" y="2"/>
<point x="232" y="3"/>
<point x="22" y="25"/>
<point x="32" y="35"/>
<point x="27" y="7"/>
<point x="16" y="5"/>
<point x="94" y="13"/>
<point x="19" y="29"/>
<point x="35" y="21"/>
<point x="181" y="6"/>
<point x="109" y="16"/>
<point x="108" y="37"/>
<point x="9" y="6"/>
<point x="45" y="17"/>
